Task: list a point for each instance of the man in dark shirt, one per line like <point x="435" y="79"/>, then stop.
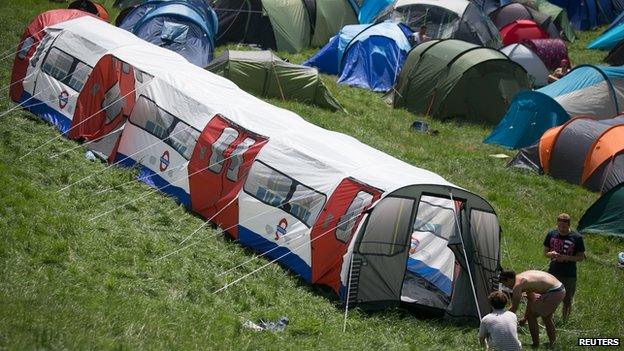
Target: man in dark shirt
<point x="564" y="248"/>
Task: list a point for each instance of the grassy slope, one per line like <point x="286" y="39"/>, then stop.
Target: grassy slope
<point x="70" y="282"/>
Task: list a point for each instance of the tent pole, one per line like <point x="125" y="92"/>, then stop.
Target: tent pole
<point x="344" y="324"/>
<point x="461" y="237"/>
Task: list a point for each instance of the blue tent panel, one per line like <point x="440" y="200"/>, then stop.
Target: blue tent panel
<point x="609" y="39"/>
<point x="583" y="14"/>
<point x="326" y="59"/>
<point x="530" y="114"/>
<point x="372" y="64"/>
<point x="372" y="8"/>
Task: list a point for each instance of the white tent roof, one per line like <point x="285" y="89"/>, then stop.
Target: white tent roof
<point x="526" y="58"/>
<point x="457" y="6"/>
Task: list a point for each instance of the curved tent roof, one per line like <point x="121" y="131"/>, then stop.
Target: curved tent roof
<point x="374" y="57"/>
<point x="439" y="77"/>
<point x="550" y="51"/>
<point x="609" y="39"/>
<point x="606" y="215"/>
<point x="587" y="90"/>
<point x="370" y="9"/>
<point x="329" y="57"/>
<point x="521" y="30"/>
<point x="515" y="11"/>
<point x="583" y="151"/>
<point x="558" y="15"/>
<point x="526" y="58"/>
<point x="457" y="19"/>
<point x="264" y="74"/>
<point x="187" y="27"/>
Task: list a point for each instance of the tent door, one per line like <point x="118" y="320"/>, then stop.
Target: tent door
<point x="218" y="168"/>
<point x="334" y="227"/>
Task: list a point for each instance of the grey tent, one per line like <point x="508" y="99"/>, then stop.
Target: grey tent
<point x="264" y="74"/>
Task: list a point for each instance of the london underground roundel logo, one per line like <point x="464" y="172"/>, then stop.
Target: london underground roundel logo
<point x="280" y="230"/>
<point x="164" y="161"/>
<point x="63" y="99"/>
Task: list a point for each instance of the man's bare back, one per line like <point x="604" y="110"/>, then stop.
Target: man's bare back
<point x="536" y="281"/>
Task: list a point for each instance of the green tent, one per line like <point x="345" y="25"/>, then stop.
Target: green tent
<point x="264" y="74"/>
<point x="606" y="215"/>
<point x="559" y="16"/>
<point x="451" y="78"/>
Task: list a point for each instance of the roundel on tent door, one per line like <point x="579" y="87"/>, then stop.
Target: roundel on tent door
<point x="164" y="161"/>
<point x="63" y="99"/>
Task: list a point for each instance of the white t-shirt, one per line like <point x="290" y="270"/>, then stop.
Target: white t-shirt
<point x="501" y="329"/>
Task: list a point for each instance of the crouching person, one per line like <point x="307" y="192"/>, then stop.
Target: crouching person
<point x="500" y="326"/>
<point x="544" y="293"/>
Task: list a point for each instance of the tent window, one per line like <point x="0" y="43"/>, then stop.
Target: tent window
<point x="125" y="68"/>
<point x="165" y="126"/>
<point x="25" y="46"/>
<point x="112" y="103"/>
<point x="279" y="190"/>
<point x="227" y="137"/>
<point x="347" y="221"/>
<point x="237" y="158"/>
<point x="183" y="138"/>
<point x="387" y="227"/>
<point x="66" y="69"/>
<point x="40" y="50"/>
<point x="174" y="32"/>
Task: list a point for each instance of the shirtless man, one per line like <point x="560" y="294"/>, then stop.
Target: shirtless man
<point x="544" y="293"/>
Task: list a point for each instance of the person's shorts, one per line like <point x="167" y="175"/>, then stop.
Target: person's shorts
<point x="545" y="304"/>
<point x="570" y="286"/>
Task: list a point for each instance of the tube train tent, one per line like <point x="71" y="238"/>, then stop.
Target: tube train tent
<point x="457" y="19"/>
<point x="186" y="27"/>
<point x="91" y="7"/>
<point x="439" y="79"/>
<point x="582" y="151"/>
<point x="50" y="70"/>
<point x="606" y="215"/>
<point x="264" y="74"/>
<point x="586" y="91"/>
<point x="525" y="57"/>
<point x="284" y="25"/>
<point x="335" y="211"/>
<point x="521" y="30"/>
<point x="559" y="16"/>
<point x="515" y="11"/>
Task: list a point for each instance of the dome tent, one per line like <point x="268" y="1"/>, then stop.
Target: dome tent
<point x="264" y="74"/>
<point x="456" y="19"/>
<point x="582" y="151"/>
<point x="606" y="215"/>
<point x="284" y="25"/>
<point x="586" y="91"/>
<point x="558" y="15"/>
<point x="333" y="206"/>
<point x="439" y="79"/>
<point x="550" y="51"/>
<point x="521" y="30"/>
<point x="187" y="27"/>
<point x="515" y="11"/>
<point x="329" y="58"/>
<point x="588" y="14"/>
<point x="526" y="58"/>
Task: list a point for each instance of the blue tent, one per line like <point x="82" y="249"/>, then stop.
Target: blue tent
<point x="187" y="27"/>
<point x="370" y="9"/>
<point x="366" y="56"/>
<point x="588" y="14"/>
<point x="611" y="36"/>
<point x="586" y="90"/>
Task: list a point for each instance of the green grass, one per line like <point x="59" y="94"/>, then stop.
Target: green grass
<point x="67" y="282"/>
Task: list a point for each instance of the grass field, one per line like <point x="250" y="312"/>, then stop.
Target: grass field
<point x="69" y="282"/>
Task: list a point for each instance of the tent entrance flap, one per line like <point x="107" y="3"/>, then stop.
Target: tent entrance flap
<point x="431" y="264"/>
